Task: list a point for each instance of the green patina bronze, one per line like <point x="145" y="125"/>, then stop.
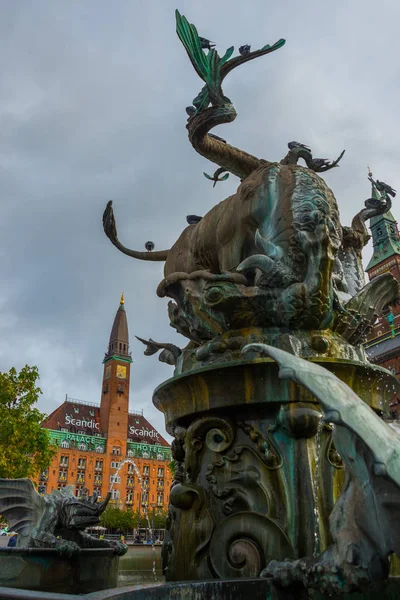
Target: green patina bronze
<point x="257" y="470"/>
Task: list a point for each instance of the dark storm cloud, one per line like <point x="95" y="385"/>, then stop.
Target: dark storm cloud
<point x="92" y="98"/>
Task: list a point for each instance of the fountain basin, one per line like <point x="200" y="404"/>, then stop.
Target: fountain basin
<point x="46" y="570"/>
<point x="239" y="589"/>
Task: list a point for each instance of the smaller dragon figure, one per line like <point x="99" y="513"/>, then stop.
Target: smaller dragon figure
<point x="56" y="520"/>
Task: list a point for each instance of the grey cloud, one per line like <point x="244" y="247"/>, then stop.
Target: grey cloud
<point x="92" y="99"/>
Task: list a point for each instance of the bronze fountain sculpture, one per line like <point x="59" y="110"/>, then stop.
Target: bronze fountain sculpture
<point x="269" y="273"/>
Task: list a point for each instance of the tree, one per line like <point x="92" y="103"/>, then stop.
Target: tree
<point x="25" y="447"/>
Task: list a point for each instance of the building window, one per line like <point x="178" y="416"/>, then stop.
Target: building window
<point x="131" y="481"/>
<point x="131" y="468"/>
<point x="160" y="457"/>
<point x="160" y="483"/>
<point x="82" y="463"/>
<point x="116" y="450"/>
<point x="145" y="455"/>
<point x="115" y="479"/>
<point x="98" y="479"/>
<point x="60" y="486"/>
<point x="160" y="498"/>
<point x="115" y="464"/>
<point x="129" y="497"/>
<point x="99" y="449"/>
<point x="130" y="453"/>
<point x="64" y="444"/>
<point x="80" y="477"/>
<point x="145" y="482"/>
<point x="99" y="465"/>
<point x="98" y="492"/>
<point x="145" y="497"/>
<point x="62" y="475"/>
<point x="91" y="413"/>
<point x="146" y="470"/>
<point x="160" y="472"/>
<point x="63" y="461"/>
<point x="115" y="494"/>
<point x="76" y="409"/>
<point x="79" y="491"/>
<point x="82" y="446"/>
<point x="44" y="475"/>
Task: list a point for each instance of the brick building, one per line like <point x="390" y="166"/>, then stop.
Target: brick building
<point x="94" y="440"/>
<point x="383" y="344"/>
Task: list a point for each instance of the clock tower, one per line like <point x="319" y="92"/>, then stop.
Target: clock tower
<point x="115" y="388"/>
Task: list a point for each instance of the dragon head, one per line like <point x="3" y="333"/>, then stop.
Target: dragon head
<point x="79" y="513"/>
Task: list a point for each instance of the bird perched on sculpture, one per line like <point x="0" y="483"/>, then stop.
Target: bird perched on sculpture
<point x="294" y="145"/>
<point x="317" y="163"/>
<point x="190" y="110"/>
<point x="381" y="186"/>
<point x="193" y="219"/>
<point x="244" y="50"/>
<point x="206" y="44"/>
<point x="149" y="246"/>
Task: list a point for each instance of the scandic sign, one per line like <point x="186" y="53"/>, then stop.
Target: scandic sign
<point x="92" y="424"/>
<point x="144" y="432"/>
<point x="81" y="422"/>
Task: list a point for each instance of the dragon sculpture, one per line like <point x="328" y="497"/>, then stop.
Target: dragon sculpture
<point x="55" y="520"/>
<point x="364" y="523"/>
<point x="274" y="254"/>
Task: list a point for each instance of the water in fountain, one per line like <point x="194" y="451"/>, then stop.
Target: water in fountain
<point x="146" y="512"/>
<point x="318" y="436"/>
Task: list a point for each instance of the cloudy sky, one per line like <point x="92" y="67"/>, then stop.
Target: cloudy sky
<point x="92" y="99"/>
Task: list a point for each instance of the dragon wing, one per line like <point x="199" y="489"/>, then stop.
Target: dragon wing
<point x="20" y="504"/>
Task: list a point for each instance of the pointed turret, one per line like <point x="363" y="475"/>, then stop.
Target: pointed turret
<point x="119" y="337"/>
<point x="385" y="235"/>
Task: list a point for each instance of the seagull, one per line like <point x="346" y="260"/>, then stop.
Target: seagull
<point x="381" y="186"/>
<point x="294" y="145"/>
<point x="149" y="246"/>
<point x="193" y="219"/>
<point x="244" y="50"/>
<point x="190" y="110"/>
<point x="317" y="163"/>
<point x="206" y="44"/>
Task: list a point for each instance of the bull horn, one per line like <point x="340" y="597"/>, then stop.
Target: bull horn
<point x="110" y="230"/>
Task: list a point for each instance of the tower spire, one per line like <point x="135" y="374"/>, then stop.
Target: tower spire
<point x="118" y="345"/>
<point x="385" y="234"/>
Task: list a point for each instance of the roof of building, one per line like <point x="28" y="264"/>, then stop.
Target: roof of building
<point x="382" y="348"/>
<point x="76" y="416"/>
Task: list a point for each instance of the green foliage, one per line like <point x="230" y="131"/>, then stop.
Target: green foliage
<point x="172" y="467"/>
<point x="25" y="448"/>
<point x="125" y="520"/>
<point x="115" y="518"/>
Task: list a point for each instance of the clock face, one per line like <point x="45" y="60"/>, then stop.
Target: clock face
<point x="121" y="372"/>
